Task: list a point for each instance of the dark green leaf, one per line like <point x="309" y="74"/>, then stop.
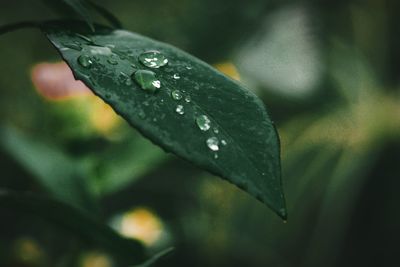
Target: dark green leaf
<point x="54" y="170"/>
<point x="79" y="7"/>
<point x="125" y="251"/>
<point x="106" y="61"/>
<point x="82" y="9"/>
<point x="114" y="21"/>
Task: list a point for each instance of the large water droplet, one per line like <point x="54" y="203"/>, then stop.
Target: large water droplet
<point x="153" y="59"/>
<point x="147" y="80"/>
<point x="203" y="122"/>
<point x="180" y="110"/>
<point x="85" y="61"/>
<point x="176" y="95"/>
<point x="213" y="143"/>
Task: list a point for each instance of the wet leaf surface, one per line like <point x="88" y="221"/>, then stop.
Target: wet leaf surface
<point x="240" y="142"/>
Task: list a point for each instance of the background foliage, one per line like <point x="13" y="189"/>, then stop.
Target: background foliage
<point x="328" y="73"/>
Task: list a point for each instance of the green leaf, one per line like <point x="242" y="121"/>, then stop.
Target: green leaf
<point x="113" y="20"/>
<point x="125" y="251"/>
<point x="106" y="62"/>
<point x="125" y="162"/>
<point x="54" y="170"/>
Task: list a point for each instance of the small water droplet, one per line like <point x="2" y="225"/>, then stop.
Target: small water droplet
<point x="223" y="142"/>
<point x="188" y="67"/>
<point x="153" y="59"/>
<point x="187" y="99"/>
<point x="215" y="130"/>
<point x="85" y="61"/>
<point x="112" y="61"/>
<point x="176" y="76"/>
<point x="213" y="143"/>
<point x="176" y="95"/>
<point x="128" y="82"/>
<point x="147" y="80"/>
<point x="203" y="122"/>
<point x="215" y="156"/>
<point x="125" y="78"/>
<point x="180" y="110"/>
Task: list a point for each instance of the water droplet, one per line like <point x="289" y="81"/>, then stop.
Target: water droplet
<point x="128" y="82"/>
<point x="125" y="78"/>
<point x="215" y="130"/>
<point x="188" y="67"/>
<point x="180" y="110"/>
<point x="215" y="156"/>
<point x="176" y="95"/>
<point x="112" y="61"/>
<point x="147" y="80"/>
<point x="188" y="99"/>
<point x="176" y="76"/>
<point x="203" y="122"/>
<point x="223" y="142"/>
<point x="85" y="61"/>
<point x="153" y="59"/>
<point x="213" y="143"/>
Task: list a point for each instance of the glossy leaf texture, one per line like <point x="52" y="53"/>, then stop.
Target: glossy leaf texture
<point x="124" y="251"/>
<point x="186" y="107"/>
